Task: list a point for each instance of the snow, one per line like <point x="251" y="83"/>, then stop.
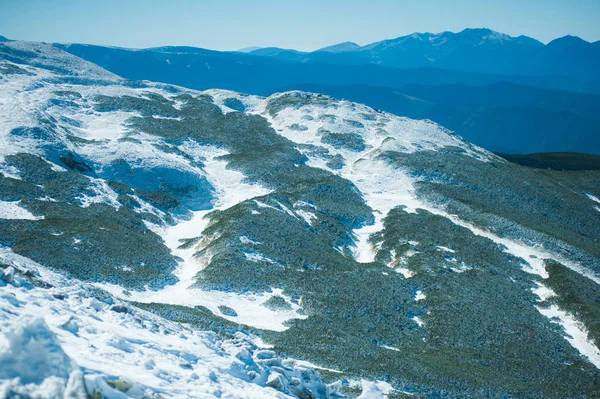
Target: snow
<point x="397" y="261"/>
<point x="418" y="320"/>
<point x="251" y="103"/>
<point x="287" y="210"/>
<point x="419" y="296"/>
<point x="307" y="216"/>
<point x="99" y="125"/>
<point x="593" y="198"/>
<point x="543" y="292"/>
<point x="32" y="354"/>
<point x="48" y="56"/>
<point x="26" y="99"/>
<point x="405" y="272"/>
<point x="577" y="334"/>
<point x="257" y="257"/>
<point x="533" y="256"/>
<point x="55" y="345"/>
<point x="12" y="210"/>
<point x="305" y="363"/>
<point x="103" y="195"/>
<point x="230" y="189"/>
<point x="363" y="251"/>
<point x="383" y="188"/>
<point x="375" y="390"/>
<point x="9" y="171"/>
<point x="151" y="351"/>
<point x="246" y="240"/>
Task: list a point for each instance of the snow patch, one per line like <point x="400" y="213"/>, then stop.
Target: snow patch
<point x="577" y="334"/>
<point x="246" y="240"/>
<point x="418" y="320"/>
<point x="375" y="390"/>
<point x="445" y="249"/>
<point x="257" y="257"/>
<point x="12" y="210"/>
<point x="419" y="296"/>
<point x="593" y="198"/>
<point x="230" y="189"/>
<point x="103" y="195"/>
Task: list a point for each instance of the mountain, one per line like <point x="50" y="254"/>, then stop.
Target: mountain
<point x="472" y="50"/>
<point x="3" y="39"/>
<point x="249" y="49"/>
<point x="157" y="241"/>
<point x="341" y="47"/>
<point x="501" y="116"/>
<point x="202" y="69"/>
<point x="569" y="56"/>
<point x="276" y="52"/>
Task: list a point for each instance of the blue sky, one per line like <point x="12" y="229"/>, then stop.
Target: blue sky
<point x="300" y="24"/>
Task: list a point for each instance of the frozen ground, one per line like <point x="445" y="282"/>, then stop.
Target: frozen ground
<point x="60" y="337"/>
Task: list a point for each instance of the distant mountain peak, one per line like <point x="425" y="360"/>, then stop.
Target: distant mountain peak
<point x="249" y="49"/>
<point x="569" y="40"/>
<point x="4" y="39"/>
<point x="341" y="47"/>
<point x="474" y="36"/>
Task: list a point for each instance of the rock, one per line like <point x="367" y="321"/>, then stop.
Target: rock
<point x="149" y="364"/>
<point x="275" y="362"/>
<point x="303" y="392"/>
<point x="186" y="365"/>
<point x="120" y="384"/>
<point x="75" y="162"/>
<point x="71" y="325"/>
<point x="119" y="309"/>
<point x="265" y="354"/>
<point x="93" y="303"/>
<point x="280" y="370"/>
<point x="276" y="381"/>
<point x="244" y="356"/>
<point x="227" y="311"/>
<point x="8" y="274"/>
<point x="60" y="297"/>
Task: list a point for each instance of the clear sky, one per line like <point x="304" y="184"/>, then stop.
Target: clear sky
<point x="299" y="24"/>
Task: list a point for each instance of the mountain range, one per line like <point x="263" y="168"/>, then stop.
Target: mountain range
<point x="478" y="63"/>
<point x="471" y="50"/>
<point x="158" y="241"/>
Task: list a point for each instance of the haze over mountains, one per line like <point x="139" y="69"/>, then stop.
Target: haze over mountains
<point x="507" y="94"/>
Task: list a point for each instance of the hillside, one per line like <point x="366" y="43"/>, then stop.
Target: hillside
<point x="158" y="241"/>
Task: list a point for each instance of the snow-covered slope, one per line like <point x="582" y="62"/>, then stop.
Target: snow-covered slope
<point x="161" y="241"/>
<point x="61" y="340"/>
